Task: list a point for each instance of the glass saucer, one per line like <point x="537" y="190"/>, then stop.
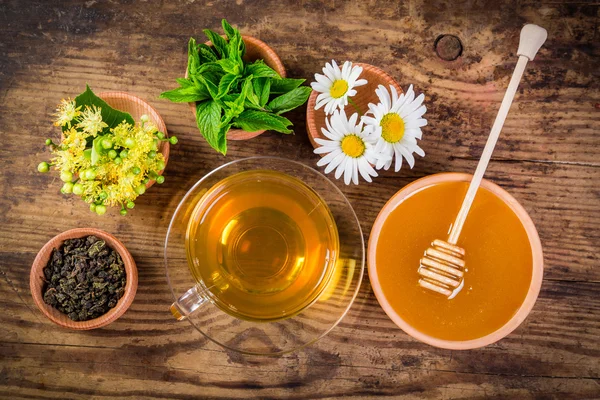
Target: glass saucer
<point x="284" y="335"/>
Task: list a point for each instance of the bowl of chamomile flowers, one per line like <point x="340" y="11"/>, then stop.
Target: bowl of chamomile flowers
<point x="113" y="147"/>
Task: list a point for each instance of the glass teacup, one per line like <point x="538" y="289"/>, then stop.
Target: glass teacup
<point x="264" y="255"/>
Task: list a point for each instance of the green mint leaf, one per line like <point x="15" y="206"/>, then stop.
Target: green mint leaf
<point x="112" y="117"/>
<point x="252" y="121"/>
<point x="284" y="85"/>
<point x="186" y="94"/>
<point x="235" y="54"/>
<point x="262" y="89"/>
<point x="206" y="54"/>
<point x="184" y="82"/>
<point x="230" y="66"/>
<point x="193" y="57"/>
<point x="208" y="117"/>
<point x="261" y="70"/>
<point x="252" y="97"/>
<point x="236" y="107"/>
<point x="290" y="100"/>
<point x="218" y="42"/>
<point x="228" y="29"/>
<point x="227" y="82"/>
<point x="210" y="85"/>
<point x="222" y="143"/>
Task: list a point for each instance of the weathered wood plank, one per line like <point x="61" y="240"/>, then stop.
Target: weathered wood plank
<point x="547" y="157"/>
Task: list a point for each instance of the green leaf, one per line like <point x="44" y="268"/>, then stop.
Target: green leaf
<point x="110" y="116"/>
<point x="210" y="85"/>
<point x="208" y="117"/>
<point x="218" y="42"/>
<point x="230" y="66"/>
<point x="229" y="30"/>
<point x="262" y="89"/>
<point x="222" y="143"/>
<point x="236" y="107"/>
<point x="261" y="70"/>
<point x="206" y="54"/>
<point x="252" y="121"/>
<point x="187" y="94"/>
<point x="284" y="85"/>
<point x="193" y="57"/>
<point x="227" y="82"/>
<point x="184" y="82"/>
<point x="97" y="149"/>
<point x="290" y="100"/>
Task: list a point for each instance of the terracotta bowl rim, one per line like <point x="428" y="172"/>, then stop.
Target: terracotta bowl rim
<point x="42" y="258"/>
<point x="269" y="53"/>
<point x="311" y="126"/>
<point x="532" y="234"/>
<point x="154" y="116"/>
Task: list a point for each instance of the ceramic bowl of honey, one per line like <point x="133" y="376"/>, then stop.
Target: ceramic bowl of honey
<point x="504" y="262"/>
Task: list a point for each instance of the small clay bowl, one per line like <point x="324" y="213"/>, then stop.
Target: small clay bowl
<point x="36" y="280"/>
<point x="537" y="265"/>
<point x="315" y="119"/>
<point x="137" y="107"/>
<point x="255" y="50"/>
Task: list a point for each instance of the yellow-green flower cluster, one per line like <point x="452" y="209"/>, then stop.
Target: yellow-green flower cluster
<point x="105" y="167"/>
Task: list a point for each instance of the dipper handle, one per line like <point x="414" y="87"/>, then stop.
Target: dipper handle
<point x="532" y="38"/>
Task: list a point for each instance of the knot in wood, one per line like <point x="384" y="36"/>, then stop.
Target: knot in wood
<point x="448" y="47"/>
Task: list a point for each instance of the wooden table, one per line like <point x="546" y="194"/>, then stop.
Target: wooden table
<point x="548" y="157"/>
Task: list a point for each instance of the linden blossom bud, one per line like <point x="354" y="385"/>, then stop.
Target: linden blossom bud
<point x="144" y="118"/>
<point x="66" y="176"/>
<point x="43" y="167"/>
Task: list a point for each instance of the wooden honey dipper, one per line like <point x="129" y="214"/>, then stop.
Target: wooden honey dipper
<point x="442" y="267"/>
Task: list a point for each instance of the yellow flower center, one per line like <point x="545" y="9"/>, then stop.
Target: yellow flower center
<point x="339" y="88"/>
<point x="392" y="128"/>
<point x="353" y="146"/>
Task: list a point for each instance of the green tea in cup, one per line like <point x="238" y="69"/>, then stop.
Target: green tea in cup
<point x="261" y="245"/>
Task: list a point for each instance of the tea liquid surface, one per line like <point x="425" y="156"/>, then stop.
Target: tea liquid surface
<point x="498" y="261"/>
<point x="263" y="244"/>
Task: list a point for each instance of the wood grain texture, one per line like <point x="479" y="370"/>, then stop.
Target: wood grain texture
<point x="548" y="157"/>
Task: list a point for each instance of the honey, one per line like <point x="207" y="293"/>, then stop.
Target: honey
<point x="498" y="262"/>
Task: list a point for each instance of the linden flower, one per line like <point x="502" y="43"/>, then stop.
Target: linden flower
<point x="350" y="150"/>
<point x="396" y="121"/>
<point x="91" y="122"/>
<point x="336" y="86"/>
<point x="66" y="112"/>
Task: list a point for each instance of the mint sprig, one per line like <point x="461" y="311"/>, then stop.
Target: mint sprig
<point x="231" y="92"/>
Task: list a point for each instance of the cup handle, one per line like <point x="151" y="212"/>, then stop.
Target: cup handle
<point x="189" y="302"/>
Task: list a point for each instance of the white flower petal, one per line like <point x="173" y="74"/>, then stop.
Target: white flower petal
<point x="398" y="157"/>
<point x="340" y="168"/>
<point x="329" y="158"/>
<point x="346" y="69"/>
<point x="335" y="162"/>
<point x="348" y="171"/>
<point x="406" y="153"/>
<point x="416" y="124"/>
<point x="326" y="143"/>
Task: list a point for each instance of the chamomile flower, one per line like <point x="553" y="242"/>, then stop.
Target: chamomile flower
<point x="336" y="85"/>
<point x="349" y="149"/>
<point x="90" y="121"/>
<point x="396" y="122"/>
<point x="66" y="112"/>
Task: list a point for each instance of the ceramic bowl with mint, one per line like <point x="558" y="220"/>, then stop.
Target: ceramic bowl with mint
<point x="237" y="88"/>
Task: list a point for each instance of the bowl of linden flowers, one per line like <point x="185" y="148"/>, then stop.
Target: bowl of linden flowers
<point x="113" y="147"/>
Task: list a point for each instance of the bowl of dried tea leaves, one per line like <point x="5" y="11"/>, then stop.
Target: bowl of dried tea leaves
<point x="83" y="279"/>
